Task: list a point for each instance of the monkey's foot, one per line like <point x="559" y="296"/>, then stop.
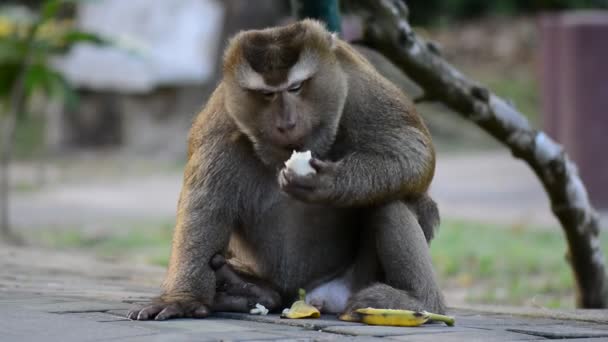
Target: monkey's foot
<point x="161" y="311"/>
<point x="381" y="296"/>
<point x="240" y="293"/>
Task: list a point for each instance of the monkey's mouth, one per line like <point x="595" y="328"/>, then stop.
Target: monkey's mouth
<point x="293" y="147"/>
<point x="290" y="145"/>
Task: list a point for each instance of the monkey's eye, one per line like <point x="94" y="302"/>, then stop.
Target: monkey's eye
<point x="267" y="94"/>
<point x="294" y="88"/>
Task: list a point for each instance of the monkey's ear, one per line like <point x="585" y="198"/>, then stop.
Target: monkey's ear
<point x="333" y="38"/>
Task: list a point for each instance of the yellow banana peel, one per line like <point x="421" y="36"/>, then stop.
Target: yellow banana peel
<point x="400" y="318"/>
<point x="299" y="309"/>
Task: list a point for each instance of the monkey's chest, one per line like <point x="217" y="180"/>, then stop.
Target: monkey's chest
<point x="296" y="244"/>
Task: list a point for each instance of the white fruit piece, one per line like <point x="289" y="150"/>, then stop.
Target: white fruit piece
<point x="300" y="163"/>
<point x="259" y="310"/>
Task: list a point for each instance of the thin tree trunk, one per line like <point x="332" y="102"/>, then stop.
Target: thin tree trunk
<point x="387" y="30"/>
<point x="9" y="127"/>
<point x="8" y="134"/>
<point x="16" y="105"/>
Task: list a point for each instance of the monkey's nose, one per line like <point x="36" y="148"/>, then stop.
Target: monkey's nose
<point x="286" y="127"/>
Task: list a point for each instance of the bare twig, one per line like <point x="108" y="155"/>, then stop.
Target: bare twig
<point x="387" y="30"/>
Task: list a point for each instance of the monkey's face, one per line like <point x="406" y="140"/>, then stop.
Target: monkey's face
<point x="285" y="89"/>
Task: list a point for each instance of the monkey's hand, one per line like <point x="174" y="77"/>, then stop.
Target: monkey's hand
<point x="312" y="188"/>
<point x="162" y="309"/>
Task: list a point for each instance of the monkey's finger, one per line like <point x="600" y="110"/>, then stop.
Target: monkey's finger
<point x="319" y="165"/>
<point x="149" y="312"/>
<point x="283" y="181"/>
<point x="288" y="181"/>
<point x="201" y="312"/>
<point x="227" y="302"/>
<point x="170" y="311"/>
<point x="132" y="315"/>
<point x="226" y="277"/>
<point x="217" y="261"/>
<point x="304" y="182"/>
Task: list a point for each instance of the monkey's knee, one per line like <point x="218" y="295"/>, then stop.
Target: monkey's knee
<point x="393" y="213"/>
<point x="217" y="261"/>
<point x="395" y="223"/>
<point x="405" y="259"/>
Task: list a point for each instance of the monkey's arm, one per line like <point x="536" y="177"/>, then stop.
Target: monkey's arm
<point x="206" y="216"/>
<point x="399" y="164"/>
<point x="203" y="229"/>
<point x="396" y="162"/>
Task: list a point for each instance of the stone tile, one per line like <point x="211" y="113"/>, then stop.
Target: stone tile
<point x="264" y="325"/>
<point x="223" y="329"/>
<point x="469" y="336"/>
<point x="273" y="335"/>
<point x="560" y="331"/>
<point x="118" y="313"/>
<point x="19" y="324"/>
<point x="162" y="338"/>
<point x="76" y="306"/>
<point x="31" y="299"/>
<point x="225" y="336"/>
<point x="199" y="326"/>
<point x="97" y="316"/>
<point x="481" y="320"/>
<point x="599" y="316"/>
<point x="380" y="331"/>
<point x="599" y="339"/>
<point x="313" y="324"/>
<point x="598" y="326"/>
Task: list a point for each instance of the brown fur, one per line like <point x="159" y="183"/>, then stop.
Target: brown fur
<point x="365" y="209"/>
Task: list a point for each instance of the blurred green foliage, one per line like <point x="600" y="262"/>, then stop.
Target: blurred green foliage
<point x="430" y="12"/>
<point x="28" y="42"/>
<point x="501" y="264"/>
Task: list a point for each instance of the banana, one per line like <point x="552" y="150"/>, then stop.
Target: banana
<point x="299" y="309"/>
<point x="401" y="318"/>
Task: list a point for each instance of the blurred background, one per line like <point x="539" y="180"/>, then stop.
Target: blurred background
<point x="99" y="150"/>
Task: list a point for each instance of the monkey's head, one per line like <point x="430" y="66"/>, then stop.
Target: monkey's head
<point x="285" y="89"/>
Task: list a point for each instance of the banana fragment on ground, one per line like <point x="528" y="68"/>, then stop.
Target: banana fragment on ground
<point x="299" y="309"/>
<point x="400" y="318"/>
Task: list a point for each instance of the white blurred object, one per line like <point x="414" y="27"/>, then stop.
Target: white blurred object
<point x="259" y="310"/>
<point x="300" y="163"/>
<point x="160" y="43"/>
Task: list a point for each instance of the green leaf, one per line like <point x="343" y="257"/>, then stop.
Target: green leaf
<point x="49" y="9"/>
<point x="51" y="83"/>
<point x="76" y="36"/>
<point x="11" y="50"/>
<point x="37" y="79"/>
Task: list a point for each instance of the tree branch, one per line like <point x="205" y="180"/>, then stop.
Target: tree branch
<point x="387" y="30"/>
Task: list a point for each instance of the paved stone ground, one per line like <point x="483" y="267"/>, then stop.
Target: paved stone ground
<point x="63" y="296"/>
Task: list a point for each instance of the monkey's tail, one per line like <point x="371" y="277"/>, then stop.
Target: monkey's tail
<point x="428" y="216"/>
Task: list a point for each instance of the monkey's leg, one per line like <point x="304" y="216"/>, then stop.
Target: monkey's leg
<point x="240" y="292"/>
<point x="403" y="254"/>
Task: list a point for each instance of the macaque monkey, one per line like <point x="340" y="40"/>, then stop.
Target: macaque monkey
<point x="354" y="234"/>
